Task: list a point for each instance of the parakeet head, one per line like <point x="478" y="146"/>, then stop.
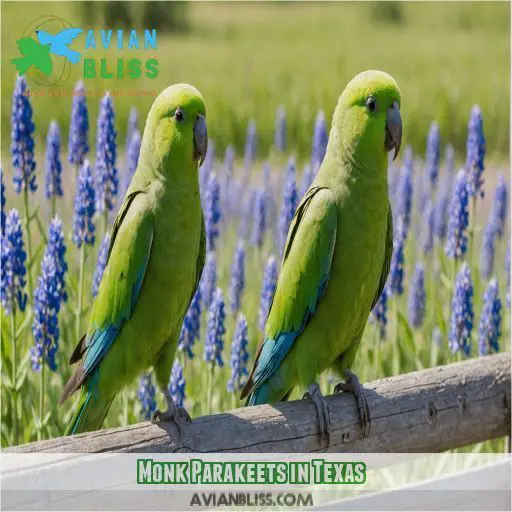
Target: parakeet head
<point x="176" y="125"/>
<point x="367" y="119"/>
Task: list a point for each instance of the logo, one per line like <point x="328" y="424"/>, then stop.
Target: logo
<point x="46" y="55"/>
<point x="49" y="46"/>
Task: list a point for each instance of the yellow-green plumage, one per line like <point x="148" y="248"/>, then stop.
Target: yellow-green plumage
<point x="155" y="262"/>
<point x="337" y="255"/>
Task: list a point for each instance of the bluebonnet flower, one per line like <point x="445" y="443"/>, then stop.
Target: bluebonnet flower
<point x="289" y="203"/>
<point x="214" y="343"/>
<point x="83" y="227"/>
<point x="229" y="161"/>
<point x="457" y="239"/>
<point x="78" y="145"/>
<point x="13" y="270"/>
<point x="237" y="283"/>
<point x="308" y="175"/>
<point x="499" y="207"/>
<point x="53" y="165"/>
<point x="106" y="154"/>
<point x="45" y="325"/>
<point x="191" y="328"/>
<point x="507" y="273"/>
<point x="133" y="124"/>
<point x="487" y="249"/>
<point x="22" y="139"/>
<point x="56" y="248"/>
<point x="2" y="197"/>
<point x="380" y="312"/>
<point x="239" y="356"/>
<point x="280" y="130"/>
<point x="461" y="321"/>
<point x="250" y="145"/>
<point x="207" y="168"/>
<point x="267" y="291"/>
<point x="146" y="394"/>
<point x="405" y="190"/>
<point x="433" y="154"/>
<point x="490" y="322"/>
<point x="427" y="235"/>
<point x="417" y="297"/>
<point x="212" y="211"/>
<point x="393" y="182"/>
<point x="320" y="139"/>
<point x="177" y="384"/>
<point x="475" y="152"/>
<point x="449" y="159"/>
<point x="132" y="157"/>
<point x="259" y="218"/>
<point x="396" y="269"/>
<point x="208" y="282"/>
<point x="100" y="264"/>
<point x="441" y="208"/>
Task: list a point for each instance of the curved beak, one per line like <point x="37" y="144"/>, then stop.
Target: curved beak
<point x="393" y="130"/>
<point x="200" y="139"/>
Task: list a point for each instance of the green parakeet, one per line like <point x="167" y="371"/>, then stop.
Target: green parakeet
<point x="155" y="261"/>
<point x="337" y="255"/>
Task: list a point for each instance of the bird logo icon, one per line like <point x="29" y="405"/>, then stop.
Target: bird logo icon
<point x="60" y="41"/>
<point x="37" y="52"/>
<point x="33" y="54"/>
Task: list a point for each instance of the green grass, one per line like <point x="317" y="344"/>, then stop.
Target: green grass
<point x="248" y="58"/>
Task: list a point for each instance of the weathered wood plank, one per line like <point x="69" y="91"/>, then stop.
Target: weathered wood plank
<point x="427" y="411"/>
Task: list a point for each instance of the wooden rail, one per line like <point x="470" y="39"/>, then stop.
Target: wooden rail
<point x="426" y="411"/>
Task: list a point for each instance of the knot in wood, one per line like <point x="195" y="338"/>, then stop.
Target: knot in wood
<point x="431" y="413"/>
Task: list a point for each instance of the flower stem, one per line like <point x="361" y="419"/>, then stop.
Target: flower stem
<point x="54" y="206"/>
<point x="42" y="391"/>
<point x="29" y="241"/>
<point x="472" y="221"/>
<point x="14" y="377"/>
<point x="80" y="293"/>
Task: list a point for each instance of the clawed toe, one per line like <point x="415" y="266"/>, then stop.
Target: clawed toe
<point x="353" y="385"/>
<point x="322" y="409"/>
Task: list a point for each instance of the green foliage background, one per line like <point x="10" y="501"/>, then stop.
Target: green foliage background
<point x="249" y="57"/>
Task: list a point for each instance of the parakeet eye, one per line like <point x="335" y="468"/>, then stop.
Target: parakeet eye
<point x="371" y="104"/>
<point x="179" y="115"/>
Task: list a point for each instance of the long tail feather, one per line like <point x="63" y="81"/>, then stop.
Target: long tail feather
<point x="90" y="412"/>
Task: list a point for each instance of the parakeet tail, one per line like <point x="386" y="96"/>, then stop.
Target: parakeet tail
<point x="262" y="395"/>
<point x="90" y="412"/>
<point x="22" y="64"/>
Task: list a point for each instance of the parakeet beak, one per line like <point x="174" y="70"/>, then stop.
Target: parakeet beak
<point x="200" y="139"/>
<point x="393" y="129"/>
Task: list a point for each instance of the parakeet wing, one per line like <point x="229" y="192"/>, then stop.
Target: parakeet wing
<point x="387" y="257"/>
<point x="200" y="257"/>
<point x="67" y="35"/>
<point x="301" y="283"/>
<point x="128" y="258"/>
<point x="27" y="46"/>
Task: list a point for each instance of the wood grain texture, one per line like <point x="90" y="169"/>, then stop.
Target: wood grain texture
<point x="427" y="411"/>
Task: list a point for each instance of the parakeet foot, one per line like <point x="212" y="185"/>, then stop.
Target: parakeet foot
<point x="322" y="409"/>
<point x="177" y="415"/>
<point x="353" y="385"/>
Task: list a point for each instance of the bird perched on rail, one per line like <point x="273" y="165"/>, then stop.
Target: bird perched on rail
<point x="154" y="264"/>
<point x="337" y="254"/>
